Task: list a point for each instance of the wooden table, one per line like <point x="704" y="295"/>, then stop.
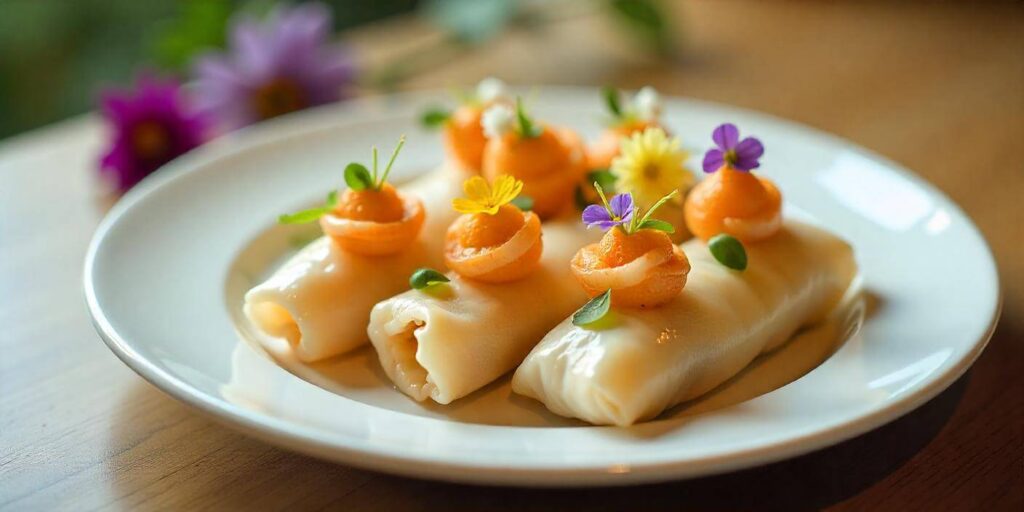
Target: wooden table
<point x="937" y="88"/>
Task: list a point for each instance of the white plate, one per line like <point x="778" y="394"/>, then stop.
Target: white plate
<point x="167" y="267"/>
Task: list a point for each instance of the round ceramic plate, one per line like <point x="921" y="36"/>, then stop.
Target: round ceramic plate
<point x="167" y="269"/>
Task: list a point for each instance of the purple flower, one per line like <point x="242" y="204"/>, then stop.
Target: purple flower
<point x="617" y="212"/>
<point x="738" y="154"/>
<point x="273" y="67"/>
<point x="151" y="125"/>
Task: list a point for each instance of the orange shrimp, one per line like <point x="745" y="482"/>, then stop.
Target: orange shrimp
<point x="550" y="166"/>
<point x="643" y="269"/>
<point x="374" y="222"/>
<point x="464" y="138"/>
<point x="736" y="202"/>
<point x="495" y="248"/>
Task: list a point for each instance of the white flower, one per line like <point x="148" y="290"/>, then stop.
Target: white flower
<point x="490" y="89"/>
<point x="647" y="104"/>
<point x="498" y="120"/>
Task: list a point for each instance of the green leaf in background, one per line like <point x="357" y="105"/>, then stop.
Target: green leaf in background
<point x="470" y="21"/>
<point x="602" y="177"/>
<point x="645" y="19"/>
<point x="426" y="277"/>
<point x="358" y="177"/>
<point x="435" y="117"/>
<point x="200" y="25"/>
<point x="658" y="225"/>
<point x="728" y="251"/>
<point x="593" y="310"/>
<point x="611" y="98"/>
<point x="524" y="203"/>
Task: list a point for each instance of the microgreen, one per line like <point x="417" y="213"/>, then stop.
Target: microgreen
<point x="622" y="212"/>
<point x="311" y="214"/>
<point x="594" y="310"/>
<point x="527" y="129"/>
<point x="425" y="278"/>
<point x="612" y="100"/>
<point x="728" y="251"/>
<point x="435" y="117"/>
<point x="358" y="177"/>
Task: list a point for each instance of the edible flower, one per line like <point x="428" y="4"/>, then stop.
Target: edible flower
<point x="622" y="212"/>
<point x="482" y="197"/>
<point x="152" y="124"/>
<point x="650" y="165"/>
<point x="739" y="154"/>
<point x="613" y="213"/>
<point x="273" y="67"/>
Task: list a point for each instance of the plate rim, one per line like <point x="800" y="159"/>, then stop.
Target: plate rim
<point x="305" y="440"/>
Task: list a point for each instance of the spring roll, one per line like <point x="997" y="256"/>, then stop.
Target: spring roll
<point x="320" y="299"/>
<point x="645" y="361"/>
<point x="444" y="344"/>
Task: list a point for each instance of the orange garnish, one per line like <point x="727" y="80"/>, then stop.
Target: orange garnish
<point x="644" y="269"/>
<point x="549" y="164"/>
<point x="736" y="202"/>
<point x="464" y="137"/>
<point x="493" y="241"/>
<point x="383" y="205"/>
<point x="373" y="229"/>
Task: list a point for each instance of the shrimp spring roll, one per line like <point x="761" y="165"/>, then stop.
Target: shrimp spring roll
<point x="685" y="321"/>
<point x="648" y="360"/>
<point x="320" y="299"/>
<point x="507" y="288"/>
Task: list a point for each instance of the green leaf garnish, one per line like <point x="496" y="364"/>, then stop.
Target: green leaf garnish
<point x="640" y="220"/>
<point x="728" y="251"/>
<point x="425" y="278"/>
<point x="527" y="129"/>
<point x="358" y="177"/>
<point x="603" y="177"/>
<point x="593" y="310"/>
<point x="435" y="117"/>
<point x="311" y="214"/>
<point x="611" y="98"/>
<point x="524" y="203"/>
<point x="656" y="224"/>
<point x="391" y="161"/>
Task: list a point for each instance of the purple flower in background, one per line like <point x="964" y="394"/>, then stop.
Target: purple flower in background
<point x="739" y="154"/>
<point x="151" y="125"/>
<point x="274" y="67"/>
<point x="616" y="212"/>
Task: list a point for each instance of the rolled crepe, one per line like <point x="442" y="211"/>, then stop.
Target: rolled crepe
<point x="447" y="342"/>
<point x="645" y="361"/>
<point x="320" y="299"/>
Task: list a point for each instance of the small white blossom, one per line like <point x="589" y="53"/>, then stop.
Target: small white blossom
<point x="498" y="120"/>
<point x="490" y="89"/>
<point x="647" y="104"/>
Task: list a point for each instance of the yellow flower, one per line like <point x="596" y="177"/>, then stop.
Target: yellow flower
<point x="482" y="197"/>
<point x="650" y="166"/>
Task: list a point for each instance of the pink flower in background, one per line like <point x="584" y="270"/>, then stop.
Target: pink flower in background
<point x="151" y="125"/>
<point x="273" y="67"/>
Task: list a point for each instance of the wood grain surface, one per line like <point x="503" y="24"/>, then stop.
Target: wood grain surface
<point x="938" y="88"/>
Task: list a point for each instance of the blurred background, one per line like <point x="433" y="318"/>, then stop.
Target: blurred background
<point x="88" y="44"/>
